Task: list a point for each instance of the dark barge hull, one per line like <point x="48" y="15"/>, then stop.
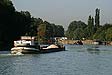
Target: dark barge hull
<point x="29" y="52"/>
<point x="52" y="50"/>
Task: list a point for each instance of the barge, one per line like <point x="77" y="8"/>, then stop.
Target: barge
<point x="26" y="45"/>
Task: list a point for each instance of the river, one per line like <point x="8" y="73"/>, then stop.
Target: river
<point x="76" y="60"/>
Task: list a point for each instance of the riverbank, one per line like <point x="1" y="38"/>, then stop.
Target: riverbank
<point x="84" y="42"/>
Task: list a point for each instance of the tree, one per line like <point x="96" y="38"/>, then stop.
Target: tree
<point x="59" y="31"/>
<point x="100" y="34"/>
<point x="89" y="21"/>
<point x="103" y="32"/>
<point x="14" y="24"/>
<point x="26" y="22"/>
<point x="49" y="30"/>
<point x="79" y="34"/>
<point x="92" y="21"/>
<point x="33" y="27"/>
<point x="109" y="34"/>
<point x="90" y="28"/>
<point x="7" y="11"/>
<point x="74" y="25"/>
<point x="97" y="18"/>
<point x="41" y="32"/>
<point x="6" y="7"/>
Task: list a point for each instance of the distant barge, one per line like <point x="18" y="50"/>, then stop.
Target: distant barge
<point x="27" y="45"/>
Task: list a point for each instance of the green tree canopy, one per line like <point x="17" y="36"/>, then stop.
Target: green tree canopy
<point x="109" y="34"/>
<point x="74" y="27"/>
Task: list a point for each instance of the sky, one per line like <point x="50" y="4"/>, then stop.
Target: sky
<point x="62" y="12"/>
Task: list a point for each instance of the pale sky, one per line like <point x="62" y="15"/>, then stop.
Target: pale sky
<point x="62" y="12"/>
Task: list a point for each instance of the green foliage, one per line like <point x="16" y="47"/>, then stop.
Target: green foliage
<point x="100" y="34"/>
<point x="75" y="27"/>
<point x="97" y="18"/>
<point x="59" y="31"/>
<point x="33" y="27"/>
<point x="109" y="34"/>
<point x="6" y="7"/>
<point x="90" y="29"/>
<point x="103" y="33"/>
<point x="79" y="30"/>
<point x="14" y="24"/>
<point x="48" y="30"/>
<point x="42" y="30"/>
<point x="6" y="22"/>
<point x="90" y="22"/>
<point x="79" y="34"/>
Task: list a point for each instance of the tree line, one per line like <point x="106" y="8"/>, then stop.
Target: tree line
<point x="78" y="30"/>
<point x="14" y="24"/>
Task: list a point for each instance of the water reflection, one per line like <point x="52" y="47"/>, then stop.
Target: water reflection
<point x="93" y="51"/>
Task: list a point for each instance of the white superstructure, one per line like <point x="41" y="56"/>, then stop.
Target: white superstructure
<point x="25" y="45"/>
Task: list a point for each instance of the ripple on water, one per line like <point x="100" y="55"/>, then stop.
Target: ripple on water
<point x="77" y="60"/>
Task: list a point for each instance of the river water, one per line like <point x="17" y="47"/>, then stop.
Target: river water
<point x="76" y="60"/>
